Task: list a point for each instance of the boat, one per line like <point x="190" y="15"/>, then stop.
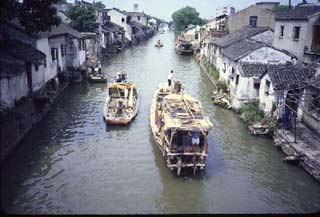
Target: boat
<point x="121" y="104"/>
<point x="177" y="121"/>
<point x="184" y="48"/>
<point x="159" y="44"/>
<point x="97" y="78"/>
<point x="161" y="31"/>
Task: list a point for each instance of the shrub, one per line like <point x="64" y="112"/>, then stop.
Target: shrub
<point x="223" y="86"/>
<point x="251" y="112"/>
<point x="4" y="108"/>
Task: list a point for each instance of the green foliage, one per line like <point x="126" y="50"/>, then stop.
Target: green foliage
<point x="252" y="113"/>
<point x="4" y="108"/>
<point x="185" y="16"/>
<point x="34" y="15"/>
<point x="222" y="85"/>
<point x="83" y="18"/>
<point x="99" y="4"/>
<point x="280" y="8"/>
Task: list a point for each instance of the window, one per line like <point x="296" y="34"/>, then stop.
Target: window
<point x="253" y="21"/>
<point x="281" y="31"/>
<point x="237" y="79"/>
<point x="36" y="67"/>
<point x="267" y="88"/>
<point x="224" y="67"/>
<point x="63" y="50"/>
<point x="122" y="19"/>
<point x="296" y="33"/>
<point x="45" y="62"/>
<point x="54" y="53"/>
<point x="138" y="17"/>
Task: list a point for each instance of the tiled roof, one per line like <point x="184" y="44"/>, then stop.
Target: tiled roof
<point x="137" y="24"/>
<point x="298" y="13"/>
<point x="61" y="29"/>
<point x="240" y="49"/>
<point x="10" y="65"/>
<point x="253" y="69"/>
<point x="287" y="77"/>
<point x="239" y="35"/>
<point x="22" y="51"/>
<point x="110" y="26"/>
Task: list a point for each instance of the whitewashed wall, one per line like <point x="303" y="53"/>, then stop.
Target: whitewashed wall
<point x="266" y="101"/>
<point x="267" y="55"/>
<point x="266" y="37"/>
<point x="14" y="88"/>
<point x="286" y="42"/>
<point x="116" y="17"/>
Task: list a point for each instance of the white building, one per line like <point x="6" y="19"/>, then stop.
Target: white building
<point x="244" y="62"/>
<point x="277" y="80"/>
<point x="120" y="18"/>
<point x="297" y="31"/>
<point x="225" y="10"/>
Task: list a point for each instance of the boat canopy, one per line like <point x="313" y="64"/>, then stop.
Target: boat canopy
<point x="184" y="112"/>
<point x="127" y="85"/>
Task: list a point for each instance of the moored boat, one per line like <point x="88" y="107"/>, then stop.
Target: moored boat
<point x="121" y="104"/>
<point x="179" y="128"/>
<point x="97" y="78"/>
<point x="184" y="48"/>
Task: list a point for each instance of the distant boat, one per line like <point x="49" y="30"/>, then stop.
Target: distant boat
<point x="98" y="78"/>
<point x="179" y="128"/>
<point x="161" y="31"/>
<point x="159" y="44"/>
<point x="121" y="104"/>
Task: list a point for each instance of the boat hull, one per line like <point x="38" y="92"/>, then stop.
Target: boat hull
<point x="126" y="119"/>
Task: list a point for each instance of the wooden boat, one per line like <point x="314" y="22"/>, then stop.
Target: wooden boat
<point x="159" y="45"/>
<point x="121" y="104"/>
<point x="97" y="78"/>
<point x="184" y="48"/>
<point x="179" y="128"/>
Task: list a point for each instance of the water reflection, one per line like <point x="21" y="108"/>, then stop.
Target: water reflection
<point x="72" y="162"/>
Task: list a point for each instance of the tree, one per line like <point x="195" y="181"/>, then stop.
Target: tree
<point x="99" y="4"/>
<point x="34" y="15"/>
<point x="185" y="16"/>
<point x="83" y="18"/>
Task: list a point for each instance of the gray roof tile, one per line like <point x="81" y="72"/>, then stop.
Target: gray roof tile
<point x="239" y="35"/>
<point x="298" y="13"/>
<point x="290" y="76"/>
<point x="240" y="49"/>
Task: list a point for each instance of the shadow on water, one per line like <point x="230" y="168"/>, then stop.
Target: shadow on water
<point x="172" y="198"/>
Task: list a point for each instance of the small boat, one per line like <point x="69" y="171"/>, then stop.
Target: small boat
<point x="158" y="45"/>
<point x="161" y="31"/>
<point x="121" y="104"/>
<point x="179" y="128"/>
<point x="97" y="78"/>
<point x="184" y="48"/>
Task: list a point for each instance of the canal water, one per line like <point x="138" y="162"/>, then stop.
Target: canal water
<point x="73" y="163"/>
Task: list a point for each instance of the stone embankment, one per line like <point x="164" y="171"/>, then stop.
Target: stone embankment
<point x="19" y="121"/>
<point x="305" y="150"/>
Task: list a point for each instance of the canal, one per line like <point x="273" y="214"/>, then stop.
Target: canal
<point x="73" y="163"/>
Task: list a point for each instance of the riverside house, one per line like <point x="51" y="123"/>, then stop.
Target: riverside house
<point x="298" y="31"/>
<point x="259" y="14"/>
<point x="120" y="18"/>
<point x="47" y="56"/>
<point x="279" y="81"/>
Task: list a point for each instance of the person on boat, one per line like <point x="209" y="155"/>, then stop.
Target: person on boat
<point x="120" y="107"/>
<point x="99" y="67"/>
<point x="119" y="77"/>
<point x="195" y="140"/>
<point x="170" y="77"/>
